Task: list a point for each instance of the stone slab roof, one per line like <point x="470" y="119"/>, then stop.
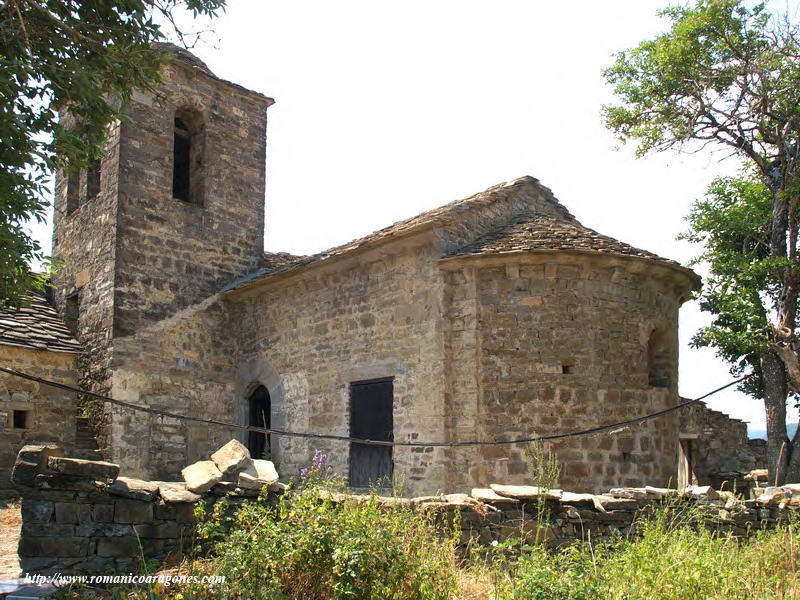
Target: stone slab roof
<point x="279" y="260"/>
<point x="531" y="232"/>
<point x="528" y="232"/>
<point x="182" y="55"/>
<point x="430" y="218"/>
<point x="38" y="326"/>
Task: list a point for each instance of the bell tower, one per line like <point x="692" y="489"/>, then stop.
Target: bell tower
<point x="173" y="211"/>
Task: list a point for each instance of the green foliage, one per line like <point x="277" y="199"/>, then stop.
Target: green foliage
<point x="724" y="72"/>
<point x="544" y="472"/>
<point x="567" y="575"/>
<point x="732" y="225"/>
<point x="83" y="58"/>
<point x="310" y="547"/>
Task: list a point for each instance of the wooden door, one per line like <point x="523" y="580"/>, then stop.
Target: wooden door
<point x="685" y="463"/>
<point x="371" y="418"/>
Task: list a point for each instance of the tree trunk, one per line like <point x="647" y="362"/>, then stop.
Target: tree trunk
<point x="793" y="465"/>
<point x="775" y="393"/>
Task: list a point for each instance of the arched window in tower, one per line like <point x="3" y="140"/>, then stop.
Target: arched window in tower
<point x="93" y="179"/>
<point x="73" y="191"/>
<point x="187" y="157"/>
<point x="659" y="361"/>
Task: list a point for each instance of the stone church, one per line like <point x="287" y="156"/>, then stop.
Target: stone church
<point x="491" y="318"/>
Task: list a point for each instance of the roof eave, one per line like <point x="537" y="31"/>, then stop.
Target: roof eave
<point x="29" y="347"/>
<point x="454" y="262"/>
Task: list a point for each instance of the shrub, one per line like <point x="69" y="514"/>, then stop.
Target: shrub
<point x="309" y="547"/>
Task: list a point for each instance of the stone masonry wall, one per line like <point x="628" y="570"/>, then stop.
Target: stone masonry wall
<point x="723" y="451"/>
<point x="85" y="242"/>
<point x="308" y="337"/>
<point x="50" y="411"/>
<point x="560" y="343"/>
<point x="454" y="341"/>
<point x="134" y="255"/>
<point x="185" y="365"/>
<point x="81" y="517"/>
<point x="171" y="254"/>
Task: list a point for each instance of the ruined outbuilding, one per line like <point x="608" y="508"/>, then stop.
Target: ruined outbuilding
<point x="491" y="318"/>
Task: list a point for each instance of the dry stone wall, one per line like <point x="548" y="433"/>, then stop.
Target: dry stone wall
<point x="81" y="517"/>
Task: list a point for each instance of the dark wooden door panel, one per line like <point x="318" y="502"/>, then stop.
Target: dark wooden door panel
<point x="371" y="418"/>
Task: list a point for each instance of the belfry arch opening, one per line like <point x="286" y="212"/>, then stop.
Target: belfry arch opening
<point x="188" y="156"/>
<point x="659" y="360"/>
<point x="259" y="415"/>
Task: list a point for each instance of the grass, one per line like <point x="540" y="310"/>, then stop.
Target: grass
<point x="668" y="561"/>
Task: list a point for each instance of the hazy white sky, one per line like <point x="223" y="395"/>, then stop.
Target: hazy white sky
<point x="386" y="110"/>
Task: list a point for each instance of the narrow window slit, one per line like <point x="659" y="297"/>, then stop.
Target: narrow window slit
<point x="21" y="419"/>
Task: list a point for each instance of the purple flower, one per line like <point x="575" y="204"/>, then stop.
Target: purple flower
<point x="320" y="461"/>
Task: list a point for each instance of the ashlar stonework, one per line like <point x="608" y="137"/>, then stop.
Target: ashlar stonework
<point x="492" y="318"/>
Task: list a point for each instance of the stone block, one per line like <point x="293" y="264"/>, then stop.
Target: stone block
<point x="525" y="492"/>
<point x="181" y="512"/>
<point x="37" y="511"/>
<point x="176" y="492"/>
<point x="20" y="397"/>
<point x="100" y="565"/>
<point x="47" y="530"/>
<point x="127" y="546"/>
<point x="36" y="564"/>
<point x="629" y="493"/>
<point x="102" y="513"/>
<point x="257" y="473"/>
<point x="231" y="458"/>
<point x="71" y="513"/>
<point x="705" y="492"/>
<point x="53" y="546"/>
<point x="56" y="481"/>
<point x="87" y="469"/>
<point x="201" y="476"/>
<point x="132" y="511"/>
<point x="491" y="497"/>
<point x="137" y="489"/>
<point x="103" y="530"/>
<point x="32" y="460"/>
<point x="223" y="488"/>
<point x="166" y="530"/>
<point x="51" y="495"/>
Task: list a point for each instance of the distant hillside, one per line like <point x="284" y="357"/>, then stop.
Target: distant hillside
<point x="753" y="433"/>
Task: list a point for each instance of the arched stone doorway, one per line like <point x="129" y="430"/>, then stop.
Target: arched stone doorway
<point x="259" y="415"/>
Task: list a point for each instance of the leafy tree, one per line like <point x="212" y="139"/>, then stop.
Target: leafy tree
<point x="727" y="75"/>
<point x="80" y="57"/>
<point x="733" y="225"/>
